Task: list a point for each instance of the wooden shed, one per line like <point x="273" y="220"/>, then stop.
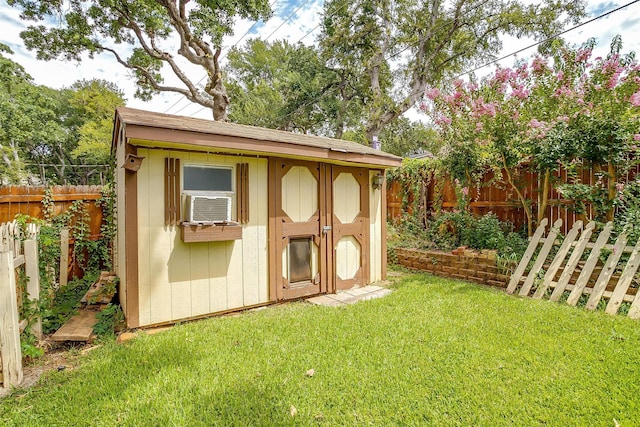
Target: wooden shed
<point x="214" y="217"/>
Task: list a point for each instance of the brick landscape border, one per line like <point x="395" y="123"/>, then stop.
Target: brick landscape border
<point x="471" y="266"/>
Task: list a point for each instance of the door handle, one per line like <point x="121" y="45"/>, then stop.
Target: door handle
<point x="326" y="229"/>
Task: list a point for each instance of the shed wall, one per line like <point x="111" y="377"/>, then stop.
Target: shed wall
<point x="178" y="280"/>
<point x="376" y="218"/>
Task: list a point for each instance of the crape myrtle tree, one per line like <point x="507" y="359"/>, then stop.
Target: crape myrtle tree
<point x="147" y="37"/>
<point x="563" y="109"/>
<point x="391" y="51"/>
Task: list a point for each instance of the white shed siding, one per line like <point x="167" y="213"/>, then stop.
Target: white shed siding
<point x="180" y="280"/>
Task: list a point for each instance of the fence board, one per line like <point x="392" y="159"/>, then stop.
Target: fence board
<point x="625" y="280"/>
<point x="576" y="254"/>
<point x="533" y="244"/>
<point x="558" y="260"/>
<point x="606" y="273"/>
<point x="592" y="260"/>
<point x="496" y="198"/>
<point x="542" y="256"/>
<point x="9" y="324"/>
<point x="33" y="279"/>
<point x="616" y="288"/>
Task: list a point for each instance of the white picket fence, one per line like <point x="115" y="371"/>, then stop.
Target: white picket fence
<point x="17" y="251"/>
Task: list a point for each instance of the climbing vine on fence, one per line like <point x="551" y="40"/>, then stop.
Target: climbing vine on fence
<point x="91" y="253"/>
<point x="415" y="176"/>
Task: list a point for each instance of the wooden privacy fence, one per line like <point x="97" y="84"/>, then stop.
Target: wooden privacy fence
<point x="496" y="198"/>
<point x="578" y="269"/>
<point x="27" y="200"/>
<point x="17" y="252"/>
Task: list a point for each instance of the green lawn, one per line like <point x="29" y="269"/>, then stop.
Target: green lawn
<point x="434" y="352"/>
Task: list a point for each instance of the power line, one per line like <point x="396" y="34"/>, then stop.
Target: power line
<point x="546" y="40"/>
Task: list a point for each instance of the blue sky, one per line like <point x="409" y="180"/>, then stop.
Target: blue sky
<point x="58" y="74"/>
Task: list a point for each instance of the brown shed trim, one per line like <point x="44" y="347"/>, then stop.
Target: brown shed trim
<point x="273" y="274"/>
<point x="156" y="129"/>
<point x="131" y="243"/>
<point x="383" y="227"/>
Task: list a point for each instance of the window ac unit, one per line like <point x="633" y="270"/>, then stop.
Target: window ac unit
<point x="208" y="209"/>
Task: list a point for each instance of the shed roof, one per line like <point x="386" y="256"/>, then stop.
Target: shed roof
<point x="151" y="129"/>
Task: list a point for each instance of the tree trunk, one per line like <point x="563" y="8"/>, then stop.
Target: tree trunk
<point x="521" y="198"/>
<point x="612" y="191"/>
<point x="543" y="201"/>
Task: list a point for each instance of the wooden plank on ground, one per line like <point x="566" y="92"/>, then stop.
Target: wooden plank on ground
<point x="558" y="260"/>
<point x="606" y="273"/>
<point x="533" y="243"/>
<point x="9" y="324"/>
<point x="625" y="280"/>
<point x="78" y="328"/>
<point x="542" y="257"/>
<point x="576" y="254"/>
<point x="590" y="264"/>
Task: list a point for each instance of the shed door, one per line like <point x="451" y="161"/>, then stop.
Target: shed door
<point x="297" y="210"/>
<point x="350" y="223"/>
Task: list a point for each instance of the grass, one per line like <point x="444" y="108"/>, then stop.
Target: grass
<point x="434" y="352"/>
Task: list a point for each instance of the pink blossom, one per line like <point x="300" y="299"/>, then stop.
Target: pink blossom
<point x="433" y="93"/>
<point x="635" y="99"/>
<point x="521" y="92"/>
<point x="583" y="55"/>
<point x="443" y="121"/>
<point x="465" y="191"/>
<point x="534" y="123"/>
<point x="619" y="186"/>
<point x="636" y="137"/>
<point x="538" y="64"/>
<point x="563" y="119"/>
<point x="480" y="127"/>
<point x="560" y="75"/>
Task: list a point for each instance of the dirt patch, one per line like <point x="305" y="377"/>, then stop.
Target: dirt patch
<point x="60" y="357"/>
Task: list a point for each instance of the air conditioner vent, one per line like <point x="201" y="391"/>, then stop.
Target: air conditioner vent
<point x="209" y="209"/>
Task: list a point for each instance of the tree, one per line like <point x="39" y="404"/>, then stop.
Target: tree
<point x="28" y="121"/>
<point x="51" y="136"/>
<point x="284" y="86"/>
<point x="143" y="36"/>
<point x="393" y="50"/>
<point x="92" y="106"/>
<point x="563" y="109"/>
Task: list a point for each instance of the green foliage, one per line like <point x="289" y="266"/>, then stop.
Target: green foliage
<point x="57" y="305"/>
<point x="283" y="86"/>
<point x="628" y="214"/>
<point x="29" y="345"/>
<point x="414" y="176"/>
<point x="66" y="129"/>
<point x="449" y="230"/>
<point x="110" y="320"/>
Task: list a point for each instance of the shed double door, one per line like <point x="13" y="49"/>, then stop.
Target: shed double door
<point x="318" y="228"/>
